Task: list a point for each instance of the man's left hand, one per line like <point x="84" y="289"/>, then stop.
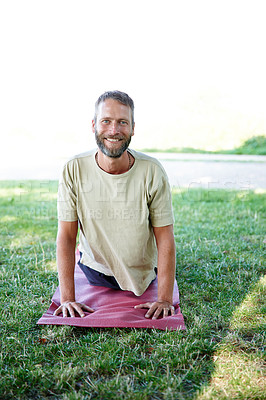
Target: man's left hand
<point x="157" y="308"/>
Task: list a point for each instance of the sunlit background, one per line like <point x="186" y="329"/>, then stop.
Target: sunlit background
<point x="195" y="70"/>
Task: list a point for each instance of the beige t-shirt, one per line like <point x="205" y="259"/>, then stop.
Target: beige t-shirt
<point x="116" y="214"/>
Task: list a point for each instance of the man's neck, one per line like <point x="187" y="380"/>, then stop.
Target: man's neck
<point x="114" y="166"/>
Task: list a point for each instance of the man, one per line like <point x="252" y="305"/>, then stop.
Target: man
<point x="121" y="202"/>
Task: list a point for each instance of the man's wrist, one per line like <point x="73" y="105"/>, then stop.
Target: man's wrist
<point x="163" y="299"/>
<point x="67" y="300"/>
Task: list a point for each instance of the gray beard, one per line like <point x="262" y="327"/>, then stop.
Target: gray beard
<point x="115" y="153"/>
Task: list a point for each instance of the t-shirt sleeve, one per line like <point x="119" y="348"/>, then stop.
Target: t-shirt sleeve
<point x="160" y="200"/>
<point x="67" y="196"/>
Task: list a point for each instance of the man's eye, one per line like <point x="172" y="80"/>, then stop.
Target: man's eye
<point x="105" y="121"/>
<point x="123" y="122"/>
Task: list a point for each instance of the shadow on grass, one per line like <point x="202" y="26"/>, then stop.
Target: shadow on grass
<point x="239" y="359"/>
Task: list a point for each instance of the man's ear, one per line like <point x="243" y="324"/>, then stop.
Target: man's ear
<point x="133" y="130"/>
<point x="93" y="125"/>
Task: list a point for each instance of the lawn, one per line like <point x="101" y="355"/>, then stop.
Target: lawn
<point x="220" y="243"/>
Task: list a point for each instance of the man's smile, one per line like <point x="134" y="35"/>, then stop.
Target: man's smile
<point x="113" y="140"/>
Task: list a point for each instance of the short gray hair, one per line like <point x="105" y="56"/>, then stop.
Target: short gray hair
<point x="121" y="97"/>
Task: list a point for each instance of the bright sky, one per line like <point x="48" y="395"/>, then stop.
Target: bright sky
<point x="195" y="70"/>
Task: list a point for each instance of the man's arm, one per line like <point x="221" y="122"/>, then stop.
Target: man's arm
<point x="66" y="244"/>
<point x="166" y="273"/>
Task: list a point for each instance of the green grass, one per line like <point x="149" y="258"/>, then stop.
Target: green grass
<point x="220" y="241"/>
<point x="255" y="145"/>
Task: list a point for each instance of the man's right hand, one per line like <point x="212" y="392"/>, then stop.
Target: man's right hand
<point x="69" y="308"/>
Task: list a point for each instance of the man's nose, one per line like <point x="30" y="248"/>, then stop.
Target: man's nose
<point x="114" y="128"/>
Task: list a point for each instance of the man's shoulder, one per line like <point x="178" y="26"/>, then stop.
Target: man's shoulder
<point x="148" y="160"/>
<point x="145" y="157"/>
<point x="76" y="165"/>
<point x="82" y="156"/>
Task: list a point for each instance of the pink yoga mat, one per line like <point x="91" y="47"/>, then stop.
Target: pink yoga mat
<point x="113" y="308"/>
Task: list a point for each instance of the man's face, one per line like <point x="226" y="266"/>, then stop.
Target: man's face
<point x="113" y="129"/>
